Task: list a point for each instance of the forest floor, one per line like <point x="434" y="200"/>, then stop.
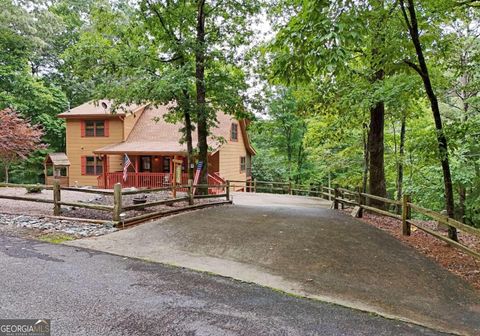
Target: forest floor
<point x="447" y="256"/>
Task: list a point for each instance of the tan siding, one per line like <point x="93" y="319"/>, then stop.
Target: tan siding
<point x="230" y="154"/>
<point x="78" y="146"/>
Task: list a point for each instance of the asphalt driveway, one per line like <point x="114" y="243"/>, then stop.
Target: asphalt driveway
<point x="299" y="245"/>
<point x="88" y="293"/>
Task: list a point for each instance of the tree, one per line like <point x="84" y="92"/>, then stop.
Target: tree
<point x="343" y="44"/>
<point x="410" y="16"/>
<point x="279" y="139"/>
<point x="18" y="139"/>
<point x="160" y="52"/>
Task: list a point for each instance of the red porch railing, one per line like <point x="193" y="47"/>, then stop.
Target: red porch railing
<point x="139" y="180"/>
<point x="150" y="180"/>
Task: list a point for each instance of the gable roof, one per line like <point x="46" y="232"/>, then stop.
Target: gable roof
<point x="96" y="109"/>
<point x="152" y="134"/>
<point x="57" y="159"/>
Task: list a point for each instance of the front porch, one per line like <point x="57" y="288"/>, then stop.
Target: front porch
<point x="150" y="171"/>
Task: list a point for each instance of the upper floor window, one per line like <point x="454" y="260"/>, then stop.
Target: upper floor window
<point x="95" y="128"/>
<point x="234" y="132"/>
<point x="243" y="163"/>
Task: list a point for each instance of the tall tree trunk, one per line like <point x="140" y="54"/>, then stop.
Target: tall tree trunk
<point x="422" y="69"/>
<point x="365" y="158"/>
<point x="376" y="148"/>
<point x="202" y="117"/>
<point x="6" y="173"/>
<point x="188" y="133"/>
<point x="400" y="161"/>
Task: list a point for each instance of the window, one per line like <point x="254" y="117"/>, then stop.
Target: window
<point x="95" y="128"/>
<point x="243" y="164"/>
<point x="92" y="165"/>
<point x="166" y="164"/>
<point x="234" y="132"/>
<point x="146" y="162"/>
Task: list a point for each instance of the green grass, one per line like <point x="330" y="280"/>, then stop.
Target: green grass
<point x="55" y="238"/>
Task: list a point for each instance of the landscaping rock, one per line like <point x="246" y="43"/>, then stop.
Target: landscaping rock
<point x="74" y="228"/>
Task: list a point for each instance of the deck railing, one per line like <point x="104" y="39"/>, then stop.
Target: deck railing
<point x="139" y="180"/>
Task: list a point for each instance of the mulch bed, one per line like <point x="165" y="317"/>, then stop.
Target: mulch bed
<point x="447" y="256"/>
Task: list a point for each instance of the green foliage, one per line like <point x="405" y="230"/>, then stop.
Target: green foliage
<point x="34" y="189"/>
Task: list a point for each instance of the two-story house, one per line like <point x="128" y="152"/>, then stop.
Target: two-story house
<point x="98" y="139"/>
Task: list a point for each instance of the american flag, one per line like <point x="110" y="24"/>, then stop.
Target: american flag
<point x="126" y="164"/>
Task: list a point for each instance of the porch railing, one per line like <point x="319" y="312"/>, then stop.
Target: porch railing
<point x="148" y="180"/>
<point x="139" y="180"/>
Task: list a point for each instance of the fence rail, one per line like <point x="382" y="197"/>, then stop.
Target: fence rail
<point x="117" y="208"/>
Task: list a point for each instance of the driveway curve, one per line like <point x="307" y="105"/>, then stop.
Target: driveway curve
<point x="298" y="245"/>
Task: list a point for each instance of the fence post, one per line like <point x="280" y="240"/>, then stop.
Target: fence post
<point x="255" y="186"/>
<point x="228" y="191"/>
<point x="190" y="192"/>
<point x="289" y="187"/>
<point x="117" y="202"/>
<point x="406" y="215"/>
<point x="335" y="198"/>
<point x="360" y="202"/>
<point x="57" y="208"/>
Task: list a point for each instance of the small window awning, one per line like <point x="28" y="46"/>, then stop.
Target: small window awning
<point x="57" y="159"/>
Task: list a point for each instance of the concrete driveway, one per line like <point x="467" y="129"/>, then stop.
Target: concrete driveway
<point x="298" y="245"/>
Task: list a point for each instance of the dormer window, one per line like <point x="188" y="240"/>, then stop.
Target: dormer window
<point x="234" y="132"/>
<point x="95" y="128"/>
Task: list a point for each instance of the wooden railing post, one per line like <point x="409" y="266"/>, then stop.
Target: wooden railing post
<point x="227" y="192"/>
<point x="255" y="185"/>
<point x="335" y="198"/>
<point x="290" y="188"/>
<point x="57" y="209"/>
<point x="406" y="215"/>
<point x="117" y="202"/>
<point x="190" y="192"/>
<point x="360" y="202"/>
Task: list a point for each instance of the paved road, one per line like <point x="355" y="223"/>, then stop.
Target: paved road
<point x="94" y="293"/>
<point x="300" y="246"/>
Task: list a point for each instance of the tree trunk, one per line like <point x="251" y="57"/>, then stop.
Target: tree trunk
<point x="6" y="173"/>
<point x="365" y="159"/>
<point x="202" y="118"/>
<point x="188" y="133"/>
<point x="422" y="70"/>
<point x="400" y="162"/>
<point x="377" y="185"/>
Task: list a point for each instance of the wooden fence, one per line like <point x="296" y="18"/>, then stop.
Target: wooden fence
<point x="117" y="209"/>
<point x="342" y="196"/>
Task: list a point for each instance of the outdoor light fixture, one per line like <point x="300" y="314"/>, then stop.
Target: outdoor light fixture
<point x="122" y="218"/>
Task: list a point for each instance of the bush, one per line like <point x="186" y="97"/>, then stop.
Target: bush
<point x="34" y="189"/>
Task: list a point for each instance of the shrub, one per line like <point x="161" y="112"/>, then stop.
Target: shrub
<point x="34" y="189"/>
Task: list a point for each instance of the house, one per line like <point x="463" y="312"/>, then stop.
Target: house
<point x="97" y="140"/>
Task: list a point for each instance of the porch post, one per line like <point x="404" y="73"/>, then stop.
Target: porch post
<point x="137" y="167"/>
<point x="105" y="171"/>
